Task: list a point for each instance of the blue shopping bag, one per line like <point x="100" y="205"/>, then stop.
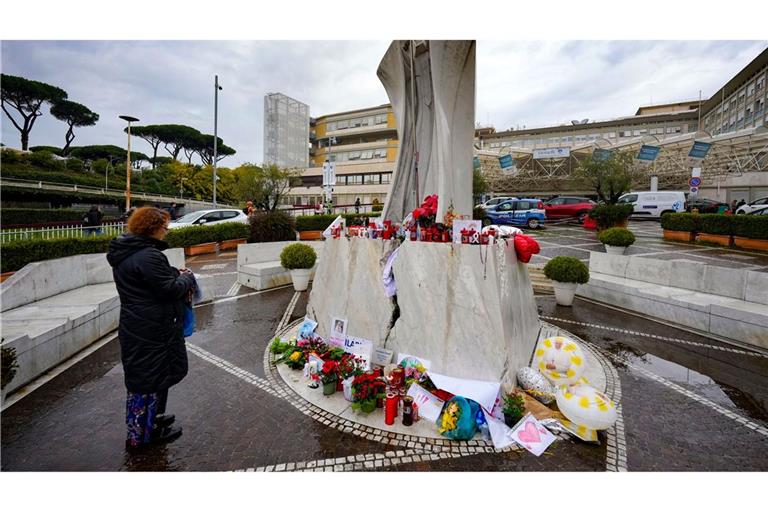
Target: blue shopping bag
<point x="189" y="320"/>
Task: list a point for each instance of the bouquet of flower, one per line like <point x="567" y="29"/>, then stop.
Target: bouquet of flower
<point x="425" y="214"/>
<point x="294" y="357"/>
<point x="329" y="372"/>
<point x="365" y="390"/>
<point x="413" y="370"/>
<point x="350" y="366"/>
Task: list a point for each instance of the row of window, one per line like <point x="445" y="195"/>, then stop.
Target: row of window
<point x="367" y="154"/>
<point x="350" y="179"/>
<point x="589" y="137"/>
<point x="357" y="122"/>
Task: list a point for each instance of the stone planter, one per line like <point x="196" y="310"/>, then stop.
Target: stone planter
<point x="615" y="249"/>
<point x="680" y="236"/>
<point x="300" y="278"/>
<point x="310" y="235"/>
<point x="724" y="240"/>
<point x="564" y="292"/>
<point x="229" y="245"/>
<point x="6" y="275"/>
<point x="194" y="250"/>
<point x="750" y="243"/>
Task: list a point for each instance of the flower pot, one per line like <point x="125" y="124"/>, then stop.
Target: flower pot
<point x="614" y="249"/>
<point x="564" y="292"/>
<point x="329" y="388"/>
<point x="348" y="389"/>
<point x="6" y="275"/>
<point x="311" y="235"/>
<point x="194" y="250"/>
<point x="228" y="245"/>
<point x="510" y="420"/>
<point x="724" y="240"/>
<point x="680" y="236"/>
<point x="300" y="278"/>
<point x="750" y="243"/>
<point x="368" y="406"/>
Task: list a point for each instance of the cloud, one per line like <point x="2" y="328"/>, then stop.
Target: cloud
<point x="532" y="83"/>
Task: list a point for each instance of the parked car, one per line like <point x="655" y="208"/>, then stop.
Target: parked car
<point x="208" y="217"/>
<point x="518" y="212"/>
<point x="754" y="205"/>
<point x="707" y="206"/>
<point x="761" y="211"/>
<point x="568" y="207"/>
<point x="493" y="202"/>
<point x="655" y="204"/>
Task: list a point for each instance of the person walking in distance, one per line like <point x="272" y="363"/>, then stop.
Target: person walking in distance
<point x="172" y="211"/>
<point x="151" y="330"/>
<point x="92" y="221"/>
<point x="357" y="205"/>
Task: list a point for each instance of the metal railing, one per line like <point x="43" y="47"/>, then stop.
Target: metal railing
<point x="74" y="231"/>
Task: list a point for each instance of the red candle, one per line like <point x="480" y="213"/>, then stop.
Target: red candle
<point x="413" y="234"/>
<point x="390" y="409"/>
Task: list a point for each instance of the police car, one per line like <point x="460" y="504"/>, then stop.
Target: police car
<point x="518" y="212"/>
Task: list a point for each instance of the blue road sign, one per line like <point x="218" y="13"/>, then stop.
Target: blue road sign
<point x="602" y="154"/>
<point x="694" y="182"/>
<point x="699" y="149"/>
<point x="648" y="153"/>
<point x="506" y="161"/>
<point x="476" y="163"/>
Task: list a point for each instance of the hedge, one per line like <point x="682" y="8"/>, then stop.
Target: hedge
<point x="15" y="255"/>
<point x="320" y="222"/>
<point x="751" y="226"/>
<point x="194" y="235"/>
<point x="272" y="226"/>
<point x="717" y="224"/>
<point x="22" y="216"/>
<point x="690" y="222"/>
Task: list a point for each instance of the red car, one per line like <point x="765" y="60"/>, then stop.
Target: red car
<point x="568" y="207"/>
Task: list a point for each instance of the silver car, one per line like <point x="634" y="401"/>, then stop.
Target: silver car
<point x="208" y="217"/>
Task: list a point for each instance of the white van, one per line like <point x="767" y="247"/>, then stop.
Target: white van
<point x="655" y="204"/>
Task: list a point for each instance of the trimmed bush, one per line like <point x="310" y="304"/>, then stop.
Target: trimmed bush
<point x="272" y="226"/>
<point x="192" y="235"/>
<point x="38" y="216"/>
<point x="313" y="222"/>
<point x="17" y="254"/>
<point x="566" y="269"/>
<point x="356" y="219"/>
<point x="231" y="231"/>
<point x="609" y="215"/>
<point x="296" y="256"/>
<point x="717" y="224"/>
<point x="690" y="222"/>
<point x="617" y="237"/>
<point x="751" y="226"/>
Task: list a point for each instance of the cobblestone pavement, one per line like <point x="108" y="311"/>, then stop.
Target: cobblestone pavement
<point x="688" y="403"/>
<point x="573" y="240"/>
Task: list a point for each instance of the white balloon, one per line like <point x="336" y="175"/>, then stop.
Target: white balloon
<point x="536" y="385"/>
<point x="559" y="359"/>
<point x="585" y="406"/>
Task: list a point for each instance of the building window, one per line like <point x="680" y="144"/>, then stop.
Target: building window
<point x="331" y="127"/>
<point x="366" y="155"/>
<point x="386" y="178"/>
<point x="372" y="179"/>
<point x="750" y="89"/>
<point x="381" y="119"/>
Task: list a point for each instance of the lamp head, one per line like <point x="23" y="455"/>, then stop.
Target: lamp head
<point x="129" y="119"/>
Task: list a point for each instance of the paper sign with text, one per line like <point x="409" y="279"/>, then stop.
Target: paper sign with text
<point x="359" y="347"/>
<point x="458" y="225"/>
<point x="532" y="435"/>
<point x="382" y="356"/>
<point x="429" y="405"/>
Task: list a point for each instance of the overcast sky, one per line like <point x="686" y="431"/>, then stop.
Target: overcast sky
<point x="518" y="83"/>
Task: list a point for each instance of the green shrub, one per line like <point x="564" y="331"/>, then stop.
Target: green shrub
<point x="566" y="269"/>
<point x="192" y="235"/>
<point x="690" y="222"/>
<point x="717" y="224"/>
<point x="478" y="213"/>
<point x="616" y="237"/>
<point x="50" y="149"/>
<point x="45" y="160"/>
<point x="15" y="255"/>
<point x="14" y="216"/>
<point x="356" y="219"/>
<point x="10" y="156"/>
<point x="314" y="222"/>
<point x="296" y="256"/>
<point x="272" y="226"/>
<point x="377" y="207"/>
<point x="751" y="226"/>
<point x="609" y="215"/>
<point x="75" y="164"/>
<point x="231" y="231"/>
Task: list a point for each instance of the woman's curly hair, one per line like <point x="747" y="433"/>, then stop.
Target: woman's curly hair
<point x="145" y="221"/>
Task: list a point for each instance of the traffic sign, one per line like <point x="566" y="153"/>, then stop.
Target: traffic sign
<point x="694" y="182"/>
<point x="694" y="190"/>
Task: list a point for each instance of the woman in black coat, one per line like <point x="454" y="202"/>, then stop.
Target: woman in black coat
<point x="152" y="304"/>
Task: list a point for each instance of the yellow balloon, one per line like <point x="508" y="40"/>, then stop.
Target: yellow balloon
<point x="560" y="359"/>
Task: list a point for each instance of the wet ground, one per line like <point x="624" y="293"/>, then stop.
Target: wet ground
<point x="688" y="402"/>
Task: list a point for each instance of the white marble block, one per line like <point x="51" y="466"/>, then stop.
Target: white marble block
<point x="468" y="309"/>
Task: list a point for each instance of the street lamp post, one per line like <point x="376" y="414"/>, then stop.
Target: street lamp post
<point x="128" y="163"/>
<point x="216" y="90"/>
<point x="329" y="176"/>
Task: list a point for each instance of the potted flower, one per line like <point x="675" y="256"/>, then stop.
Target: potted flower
<point x="567" y="273"/>
<point x="616" y="240"/>
<point x="349" y="368"/>
<point x="329" y="375"/>
<point x="299" y="259"/>
<point x="364" y="393"/>
<point x="514" y="408"/>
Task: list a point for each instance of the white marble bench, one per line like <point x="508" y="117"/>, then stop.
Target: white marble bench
<point x="728" y="302"/>
<point x="55" y="308"/>
<point x="258" y="265"/>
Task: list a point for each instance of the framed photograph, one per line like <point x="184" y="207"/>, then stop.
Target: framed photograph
<point x="338" y="331"/>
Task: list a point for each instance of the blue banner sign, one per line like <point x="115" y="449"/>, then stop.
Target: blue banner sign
<point x="476" y="163"/>
<point x="648" y="153"/>
<point x="699" y="149"/>
<point x="602" y="154"/>
<point x="506" y="162"/>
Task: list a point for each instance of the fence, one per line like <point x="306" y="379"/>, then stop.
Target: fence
<point x="75" y="231"/>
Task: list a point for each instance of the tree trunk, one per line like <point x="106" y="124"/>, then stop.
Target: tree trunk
<point x="69" y="137"/>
